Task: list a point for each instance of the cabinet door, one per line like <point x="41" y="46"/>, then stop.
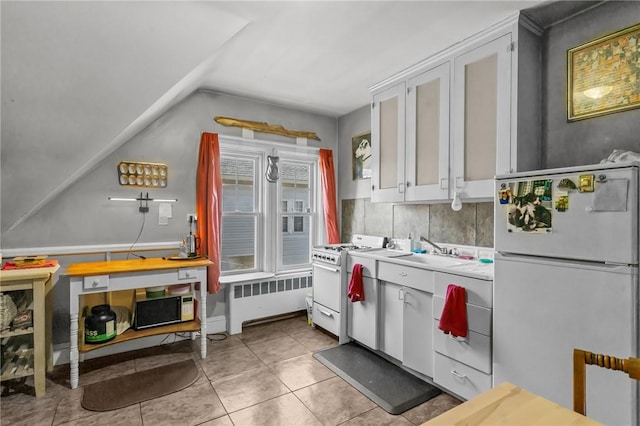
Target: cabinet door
<point x="387" y="144"/>
<point x="427" y="146"/>
<point x="418" y="331"/>
<point x="481" y="117"/>
<point x="391" y="319"/>
<point x="363" y="316"/>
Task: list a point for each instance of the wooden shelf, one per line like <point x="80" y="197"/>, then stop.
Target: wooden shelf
<point x="17" y="364"/>
<point x="131" y="334"/>
<point x="18" y="332"/>
<point x="17" y="358"/>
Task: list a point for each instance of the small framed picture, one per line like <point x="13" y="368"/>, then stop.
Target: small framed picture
<point x="361" y="155"/>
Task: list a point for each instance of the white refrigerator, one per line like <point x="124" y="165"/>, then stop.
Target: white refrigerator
<point x="566" y="276"/>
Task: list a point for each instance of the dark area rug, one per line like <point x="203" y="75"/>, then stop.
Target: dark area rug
<point x="142" y="386"/>
<point x="386" y="384"/>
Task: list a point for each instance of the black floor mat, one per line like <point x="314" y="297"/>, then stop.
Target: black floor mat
<point x="386" y="384"/>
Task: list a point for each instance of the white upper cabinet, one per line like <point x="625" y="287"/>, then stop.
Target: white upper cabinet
<point x="481" y="118"/>
<point x="427" y="135"/>
<point x="450" y="123"/>
<point x="410" y="138"/>
<point x="387" y="143"/>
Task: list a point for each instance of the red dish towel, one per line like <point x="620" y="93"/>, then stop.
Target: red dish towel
<point x="454" y="313"/>
<point x="356" y="289"/>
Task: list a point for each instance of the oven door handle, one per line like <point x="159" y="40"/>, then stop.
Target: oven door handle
<point x="316" y="265"/>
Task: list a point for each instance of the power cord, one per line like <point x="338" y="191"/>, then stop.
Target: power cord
<point x="137" y="238"/>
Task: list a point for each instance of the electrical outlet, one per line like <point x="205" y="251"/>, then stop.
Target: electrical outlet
<point x="192" y="217"/>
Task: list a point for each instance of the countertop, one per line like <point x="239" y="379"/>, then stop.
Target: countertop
<point x="451" y="265"/>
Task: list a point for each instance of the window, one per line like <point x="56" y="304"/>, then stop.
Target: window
<point x="267" y="226"/>
<point x="239" y="213"/>
<point x="296" y="200"/>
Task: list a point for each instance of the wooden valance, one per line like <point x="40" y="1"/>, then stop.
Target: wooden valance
<point x="259" y="126"/>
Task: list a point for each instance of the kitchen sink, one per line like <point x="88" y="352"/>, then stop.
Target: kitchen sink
<point x="433" y="260"/>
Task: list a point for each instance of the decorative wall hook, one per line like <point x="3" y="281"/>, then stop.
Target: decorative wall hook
<point x="272" y="173"/>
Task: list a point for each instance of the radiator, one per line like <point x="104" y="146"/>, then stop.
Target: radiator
<point x="261" y="299"/>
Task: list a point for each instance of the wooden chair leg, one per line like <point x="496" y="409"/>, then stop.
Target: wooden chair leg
<point x="579" y="373"/>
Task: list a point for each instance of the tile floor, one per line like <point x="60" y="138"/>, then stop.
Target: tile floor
<point x="264" y="376"/>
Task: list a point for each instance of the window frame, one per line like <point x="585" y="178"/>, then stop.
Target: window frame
<point x="269" y="226"/>
<point x="258" y="211"/>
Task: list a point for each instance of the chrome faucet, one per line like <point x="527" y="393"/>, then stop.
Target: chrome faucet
<point x="434" y="245"/>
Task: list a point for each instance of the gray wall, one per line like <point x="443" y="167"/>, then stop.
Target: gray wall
<point x="82" y="215"/>
<point x="586" y="141"/>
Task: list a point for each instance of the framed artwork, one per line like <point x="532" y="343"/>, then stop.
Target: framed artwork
<point x="361" y="155"/>
<point x="603" y="76"/>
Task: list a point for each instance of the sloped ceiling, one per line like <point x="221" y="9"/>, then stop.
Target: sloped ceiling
<point x="80" y="78"/>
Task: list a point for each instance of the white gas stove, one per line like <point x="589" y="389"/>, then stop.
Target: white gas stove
<point x="329" y="282"/>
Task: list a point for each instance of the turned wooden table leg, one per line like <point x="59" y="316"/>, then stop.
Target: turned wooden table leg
<point x="73" y="353"/>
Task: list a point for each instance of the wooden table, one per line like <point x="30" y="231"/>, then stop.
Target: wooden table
<point x="507" y="404"/>
<point x="95" y="278"/>
<point x="40" y="281"/>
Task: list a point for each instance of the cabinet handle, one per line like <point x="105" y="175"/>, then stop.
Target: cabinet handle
<point x="444" y="183"/>
<point x="329" y="314"/>
<point x="408" y="184"/>
<point x="458" y="375"/>
<point x="402" y="274"/>
<point x="401" y="187"/>
<point x="401" y="294"/>
<point x="458" y="180"/>
<point x="96" y="283"/>
<point x="459" y="339"/>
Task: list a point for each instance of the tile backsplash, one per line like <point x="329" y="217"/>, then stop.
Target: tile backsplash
<point x="473" y="225"/>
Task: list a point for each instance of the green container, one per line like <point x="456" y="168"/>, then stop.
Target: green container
<point x="100" y="326"/>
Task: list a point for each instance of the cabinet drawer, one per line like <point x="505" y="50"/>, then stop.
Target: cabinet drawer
<point x="479" y="318"/>
<point x="326" y="318"/>
<point x="474" y="350"/>
<point x="368" y="265"/>
<point x="459" y="378"/>
<point x="187" y="273"/>
<point x="95" y="282"/>
<point x="479" y="292"/>
<point x="418" y="278"/>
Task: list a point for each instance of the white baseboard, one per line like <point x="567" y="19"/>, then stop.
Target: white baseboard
<point x="217" y="324"/>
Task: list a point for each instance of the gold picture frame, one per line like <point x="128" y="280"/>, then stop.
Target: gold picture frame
<point x="361" y="156"/>
<point x="603" y="76"/>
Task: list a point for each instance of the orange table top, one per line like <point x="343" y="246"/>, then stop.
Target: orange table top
<point x="133" y="265"/>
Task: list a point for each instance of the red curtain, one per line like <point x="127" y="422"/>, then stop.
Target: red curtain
<point x="328" y="178"/>
<point x="209" y="206"/>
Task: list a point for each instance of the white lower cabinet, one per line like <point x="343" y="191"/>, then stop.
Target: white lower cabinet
<point x="417" y="331"/>
<point x="459" y="378"/>
<point x="391" y="308"/>
<point x="464" y="365"/>
<point x="406" y="326"/>
<point x="362" y="323"/>
<point x="362" y="317"/>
